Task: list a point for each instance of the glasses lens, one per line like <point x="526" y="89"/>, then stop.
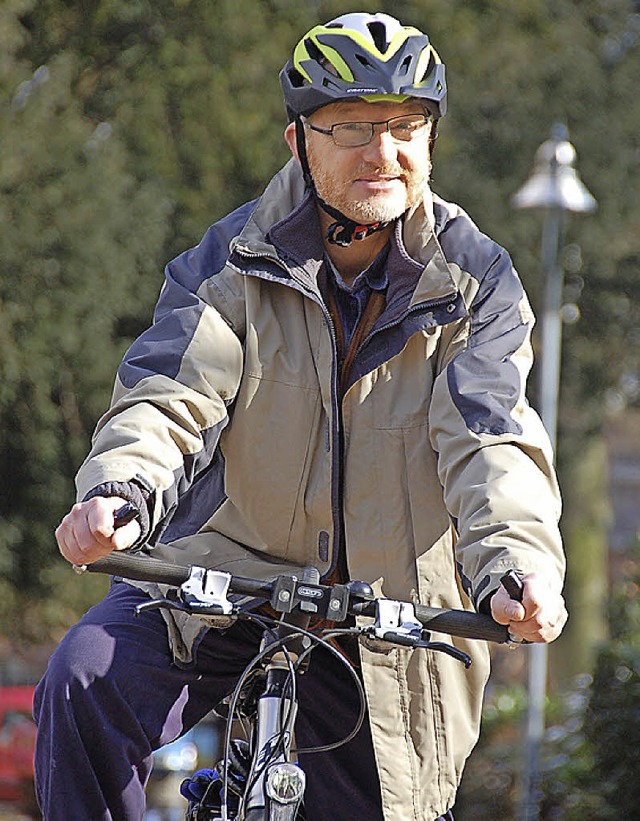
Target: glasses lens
<point x="405" y="128"/>
<point x="350" y="135"/>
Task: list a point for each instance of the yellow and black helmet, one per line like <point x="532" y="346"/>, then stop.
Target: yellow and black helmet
<point x="366" y="56"/>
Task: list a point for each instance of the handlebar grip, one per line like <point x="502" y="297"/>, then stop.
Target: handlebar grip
<point x="462" y="623"/>
<point x="139" y="567"/>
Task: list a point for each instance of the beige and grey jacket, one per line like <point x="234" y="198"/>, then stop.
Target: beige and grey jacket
<point x="427" y="468"/>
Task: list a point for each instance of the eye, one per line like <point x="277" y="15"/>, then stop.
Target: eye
<point x="353" y="128"/>
<point x="352" y="134"/>
<point x="405" y="129"/>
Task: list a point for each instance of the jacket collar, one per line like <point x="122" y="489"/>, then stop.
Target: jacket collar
<point x="283" y="226"/>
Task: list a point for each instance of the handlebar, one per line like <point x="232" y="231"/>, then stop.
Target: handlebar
<point x="355" y="598"/>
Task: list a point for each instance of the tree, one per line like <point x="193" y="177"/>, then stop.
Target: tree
<point x="79" y="238"/>
<point x="193" y="86"/>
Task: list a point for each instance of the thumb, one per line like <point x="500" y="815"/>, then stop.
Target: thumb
<point x="504" y="609"/>
<point x="127" y="535"/>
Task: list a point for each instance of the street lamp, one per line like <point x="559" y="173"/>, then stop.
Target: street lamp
<point x="554" y="187"/>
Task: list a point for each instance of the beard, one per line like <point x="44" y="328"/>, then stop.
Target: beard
<point x="378" y="207"/>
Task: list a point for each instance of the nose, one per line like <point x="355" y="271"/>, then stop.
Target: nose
<point x="382" y="148"/>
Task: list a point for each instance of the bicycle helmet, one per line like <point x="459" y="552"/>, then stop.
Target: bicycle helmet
<point x="363" y="56"/>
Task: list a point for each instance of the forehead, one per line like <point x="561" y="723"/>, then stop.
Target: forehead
<point x="363" y="110"/>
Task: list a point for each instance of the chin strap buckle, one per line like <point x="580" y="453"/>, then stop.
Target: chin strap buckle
<point x="345" y="232"/>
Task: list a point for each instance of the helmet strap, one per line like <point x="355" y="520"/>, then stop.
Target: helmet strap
<point x="343" y="231"/>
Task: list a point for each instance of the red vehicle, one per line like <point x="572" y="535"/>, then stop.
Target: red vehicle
<point x="17" y="745"/>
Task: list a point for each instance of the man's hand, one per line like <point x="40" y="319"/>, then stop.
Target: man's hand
<point x="87" y="532"/>
<point x="541" y="615"/>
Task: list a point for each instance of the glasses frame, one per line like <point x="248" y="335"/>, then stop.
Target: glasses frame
<point x="386" y="123"/>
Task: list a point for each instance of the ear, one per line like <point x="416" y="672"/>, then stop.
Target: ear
<point x="290" y="138"/>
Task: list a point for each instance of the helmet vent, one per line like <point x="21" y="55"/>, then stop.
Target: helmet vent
<point x="318" y="56"/>
<point x="378" y="35"/>
<point x="363" y="60"/>
<point x="403" y="68"/>
<point x="314" y="51"/>
<point x="431" y="65"/>
<point x="296" y="79"/>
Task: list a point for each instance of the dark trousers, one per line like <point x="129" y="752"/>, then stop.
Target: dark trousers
<point x="111" y="695"/>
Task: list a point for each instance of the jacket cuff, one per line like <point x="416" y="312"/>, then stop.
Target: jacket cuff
<point x="133" y="492"/>
<point x="484" y="605"/>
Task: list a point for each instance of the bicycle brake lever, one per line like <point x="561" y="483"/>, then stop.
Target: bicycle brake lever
<point x="404" y="639"/>
<point x="211" y="614"/>
<point x="450" y="650"/>
<point x="157" y="604"/>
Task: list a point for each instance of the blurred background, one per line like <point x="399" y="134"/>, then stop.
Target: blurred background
<point x="129" y="126"/>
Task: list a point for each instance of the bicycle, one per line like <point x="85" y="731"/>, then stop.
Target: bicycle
<point x="258" y="778"/>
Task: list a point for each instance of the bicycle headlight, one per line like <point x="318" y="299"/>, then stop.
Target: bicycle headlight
<point x="285" y="783"/>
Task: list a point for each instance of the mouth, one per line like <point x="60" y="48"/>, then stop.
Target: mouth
<point x="382" y="182"/>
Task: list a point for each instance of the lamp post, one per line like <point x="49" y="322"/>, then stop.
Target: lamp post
<point x="554" y="187"/>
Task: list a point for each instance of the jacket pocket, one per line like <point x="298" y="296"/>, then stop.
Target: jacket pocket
<point x="276" y="429"/>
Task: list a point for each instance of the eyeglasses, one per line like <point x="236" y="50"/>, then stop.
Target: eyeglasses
<point x="352" y="135"/>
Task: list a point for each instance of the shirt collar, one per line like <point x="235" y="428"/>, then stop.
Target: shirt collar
<point x="374" y="277"/>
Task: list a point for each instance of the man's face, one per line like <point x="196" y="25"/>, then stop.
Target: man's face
<point x="374" y="182"/>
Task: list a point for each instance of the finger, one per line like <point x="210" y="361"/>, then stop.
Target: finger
<point x="62" y="537"/>
<point x="553" y="613"/>
<point x="103" y="524"/>
<point x="70" y="547"/>
<point x="99" y="517"/>
<point x="545" y="636"/>
<point x="545" y="631"/>
<point x="76" y="540"/>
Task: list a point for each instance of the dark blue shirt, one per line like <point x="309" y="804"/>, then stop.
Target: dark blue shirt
<point x="352" y="299"/>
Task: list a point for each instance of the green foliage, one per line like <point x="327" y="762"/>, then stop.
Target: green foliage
<point x="613" y="717"/>
<point x="585" y="525"/>
<point x="593" y="755"/>
<point x="79" y="240"/>
<point x="193" y="86"/>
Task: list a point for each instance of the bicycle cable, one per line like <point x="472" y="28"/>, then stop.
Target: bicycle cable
<point x="277" y="643"/>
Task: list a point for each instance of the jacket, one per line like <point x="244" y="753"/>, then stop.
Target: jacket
<point x="427" y="467"/>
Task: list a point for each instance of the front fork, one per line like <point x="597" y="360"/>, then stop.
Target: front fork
<point x="277" y="783"/>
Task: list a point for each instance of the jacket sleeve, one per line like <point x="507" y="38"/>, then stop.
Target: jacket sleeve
<point x="173" y="389"/>
<point x="494" y="456"/>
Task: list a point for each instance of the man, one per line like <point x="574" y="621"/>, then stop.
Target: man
<point x="335" y="376"/>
